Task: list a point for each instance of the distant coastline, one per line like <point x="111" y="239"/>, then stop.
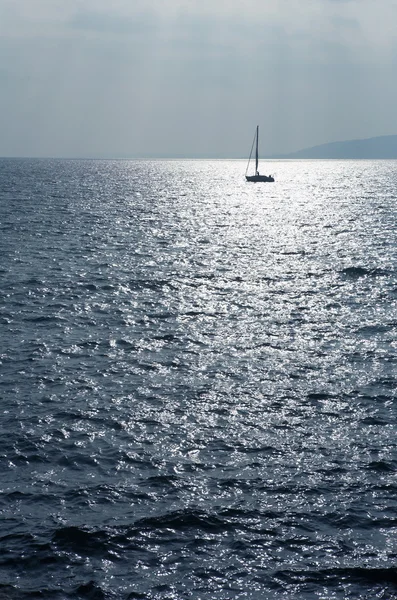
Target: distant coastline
<point x="381" y="147"/>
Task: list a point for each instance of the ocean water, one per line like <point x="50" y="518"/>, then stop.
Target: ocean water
<point x="198" y="380"/>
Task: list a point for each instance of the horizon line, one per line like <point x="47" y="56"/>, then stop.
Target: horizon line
<point x="274" y="156"/>
<point x="282" y="157"/>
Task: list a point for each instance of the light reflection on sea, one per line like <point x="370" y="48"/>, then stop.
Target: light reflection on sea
<point x="198" y="380"/>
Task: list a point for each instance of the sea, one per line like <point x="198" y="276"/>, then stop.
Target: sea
<point x="198" y="380"/>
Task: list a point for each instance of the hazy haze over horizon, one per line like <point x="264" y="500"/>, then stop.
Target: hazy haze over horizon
<point x="146" y="78"/>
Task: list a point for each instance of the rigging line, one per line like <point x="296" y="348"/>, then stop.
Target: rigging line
<point x="252" y="147"/>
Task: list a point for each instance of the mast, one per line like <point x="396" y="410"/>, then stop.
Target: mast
<point x="256" y="153"/>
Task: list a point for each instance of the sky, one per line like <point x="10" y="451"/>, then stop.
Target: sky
<point x="193" y="78"/>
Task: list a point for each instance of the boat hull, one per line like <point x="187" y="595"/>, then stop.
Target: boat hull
<point x="257" y="178"/>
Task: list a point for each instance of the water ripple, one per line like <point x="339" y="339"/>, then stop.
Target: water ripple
<point x="198" y="380"/>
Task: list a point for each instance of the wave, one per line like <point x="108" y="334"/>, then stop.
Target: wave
<point x="88" y="591"/>
<point x="358" y="272"/>
<point x="338" y="575"/>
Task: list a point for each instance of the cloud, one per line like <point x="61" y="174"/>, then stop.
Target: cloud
<point x="107" y="22"/>
<point x="136" y="77"/>
<point x="349" y="21"/>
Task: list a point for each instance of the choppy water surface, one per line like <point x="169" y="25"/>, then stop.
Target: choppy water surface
<point x="198" y="380"/>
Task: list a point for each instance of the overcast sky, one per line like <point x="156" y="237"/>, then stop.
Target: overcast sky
<point x="138" y="78"/>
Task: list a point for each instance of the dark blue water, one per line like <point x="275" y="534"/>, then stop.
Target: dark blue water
<point x="198" y="380"/>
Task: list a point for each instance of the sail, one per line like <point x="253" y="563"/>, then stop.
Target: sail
<point x="256" y="152"/>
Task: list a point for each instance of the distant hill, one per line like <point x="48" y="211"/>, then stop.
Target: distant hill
<point x="384" y="146"/>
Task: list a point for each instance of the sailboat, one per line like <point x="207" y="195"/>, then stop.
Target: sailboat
<point x="257" y="176"/>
